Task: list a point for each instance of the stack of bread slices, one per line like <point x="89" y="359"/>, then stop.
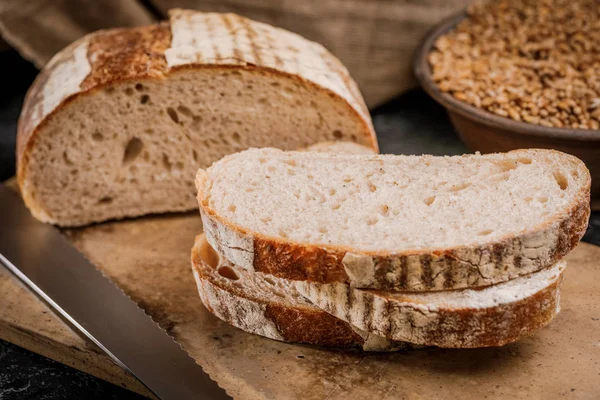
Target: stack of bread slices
<point x="386" y="252"/>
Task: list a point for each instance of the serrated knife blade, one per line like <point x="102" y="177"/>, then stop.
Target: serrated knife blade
<point x="50" y="266"/>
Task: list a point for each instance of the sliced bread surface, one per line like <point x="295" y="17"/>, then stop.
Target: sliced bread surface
<point x="271" y="307"/>
<point x="411" y="223"/>
<point x="117" y="124"/>
<point x="492" y="316"/>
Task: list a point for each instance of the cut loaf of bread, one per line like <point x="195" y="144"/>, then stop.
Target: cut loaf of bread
<point x="271" y="307"/>
<point x="117" y="124"/>
<point x="410" y="223"/>
<point x="492" y="316"/>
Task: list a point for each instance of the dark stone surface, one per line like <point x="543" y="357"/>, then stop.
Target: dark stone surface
<point x="411" y="124"/>
<point x="25" y="375"/>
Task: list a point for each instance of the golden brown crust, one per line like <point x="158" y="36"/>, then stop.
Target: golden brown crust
<point x="129" y="53"/>
<point x="469" y="327"/>
<point x="441" y="269"/>
<point x="293" y="324"/>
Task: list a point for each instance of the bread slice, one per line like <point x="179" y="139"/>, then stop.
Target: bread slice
<point x="271" y="307"/>
<point x="492" y="316"/>
<point x="117" y="124"/>
<point x="410" y="223"/>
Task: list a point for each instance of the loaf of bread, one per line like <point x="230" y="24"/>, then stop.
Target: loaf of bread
<point x="395" y="222"/>
<point x="117" y="124"/>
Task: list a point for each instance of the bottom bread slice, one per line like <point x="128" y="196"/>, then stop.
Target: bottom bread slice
<point x="272" y="307"/>
<point x="492" y="316"/>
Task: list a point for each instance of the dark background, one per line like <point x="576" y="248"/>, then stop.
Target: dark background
<point x="410" y="124"/>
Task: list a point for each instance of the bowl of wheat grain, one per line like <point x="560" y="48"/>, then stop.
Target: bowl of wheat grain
<point x="520" y="74"/>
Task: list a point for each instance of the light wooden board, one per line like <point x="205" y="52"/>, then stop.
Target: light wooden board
<point x="149" y="259"/>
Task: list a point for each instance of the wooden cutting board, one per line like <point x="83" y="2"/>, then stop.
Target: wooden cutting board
<point x="149" y="259"/>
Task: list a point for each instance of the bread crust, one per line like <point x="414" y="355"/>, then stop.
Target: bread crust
<point x="137" y="54"/>
<point x="482" y="265"/>
<point x="301" y="324"/>
<point x="442" y="325"/>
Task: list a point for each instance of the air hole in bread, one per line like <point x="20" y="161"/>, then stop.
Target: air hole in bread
<point x="372" y="220"/>
<point x="337" y="134"/>
<point x="166" y="163"/>
<point x="542" y="199"/>
<point x="485" y="232"/>
<point x="323" y="229"/>
<point x="372" y="187"/>
<point x="561" y="180"/>
<point x="262" y="160"/>
<point x="236" y="137"/>
<point x="97" y="136"/>
<point x="109" y="90"/>
<point x="185" y="111"/>
<point x="132" y="150"/>
<point x="384" y="210"/>
<point x="290" y="162"/>
<point x="105" y="200"/>
<point x="332" y="192"/>
<point x="459" y="187"/>
<point x="429" y="200"/>
<point x="228" y="272"/>
<point x="173" y="114"/>
<point x="129" y="91"/>
<point x="506" y="165"/>
<point x="66" y="158"/>
<point x="232" y="207"/>
<point x="283" y="233"/>
<point x="266" y="220"/>
<point x="525" y="160"/>
<point x="144" y="99"/>
<point x="139" y="87"/>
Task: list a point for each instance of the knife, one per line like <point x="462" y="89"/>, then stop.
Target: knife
<point x="51" y="267"/>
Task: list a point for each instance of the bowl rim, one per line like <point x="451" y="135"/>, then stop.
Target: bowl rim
<point x="422" y="72"/>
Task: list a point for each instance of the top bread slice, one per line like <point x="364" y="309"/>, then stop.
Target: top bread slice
<point x="409" y="223"/>
<point x="117" y="124"/>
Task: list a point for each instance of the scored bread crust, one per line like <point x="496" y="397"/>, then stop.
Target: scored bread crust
<point x="477" y="265"/>
<point x="294" y="320"/>
<point x="106" y="57"/>
<point x="493" y="316"/>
